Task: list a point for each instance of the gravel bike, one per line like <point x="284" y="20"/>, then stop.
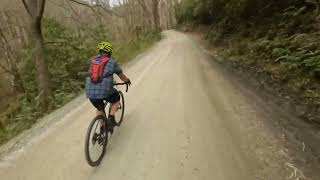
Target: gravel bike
<point x="99" y="132"/>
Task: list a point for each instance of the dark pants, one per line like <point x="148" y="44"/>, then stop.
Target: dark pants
<point x="99" y="104"/>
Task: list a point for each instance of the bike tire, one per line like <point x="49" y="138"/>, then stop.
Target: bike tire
<point x="88" y="140"/>
<point x="120" y="119"/>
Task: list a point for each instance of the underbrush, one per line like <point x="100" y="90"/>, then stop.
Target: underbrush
<point x="276" y="41"/>
<point x="284" y="56"/>
<point x="67" y="55"/>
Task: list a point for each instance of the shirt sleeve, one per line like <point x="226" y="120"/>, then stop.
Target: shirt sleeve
<point x="117" y="68"/>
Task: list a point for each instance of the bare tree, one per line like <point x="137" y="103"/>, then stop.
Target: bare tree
<point x="35" y="9"/>
<point x="156" y="17"/>
<point x="10" y="66"/>
<point x="145" y="13"/>
<point x="167" y="13"/>
<point x="96" y="4"/>
<point x="11" y="35"/>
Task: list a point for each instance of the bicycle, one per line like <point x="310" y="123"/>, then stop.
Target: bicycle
<point x="101" y="138"/>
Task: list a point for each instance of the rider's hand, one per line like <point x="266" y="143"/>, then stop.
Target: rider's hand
<point x="128" y="82"/>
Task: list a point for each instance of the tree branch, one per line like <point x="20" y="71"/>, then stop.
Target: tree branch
<point x="98" y="5"/>
<point x="42" y="6"/>
<point x="5" y="48"/>
<point x="67" y="8"/>
<point x="144" y="6"/>
<point x="26" y="7"/>
<point x="75" y="19"/>
<point x="4" y="72"/>
<point x="61" y="42"/>
<point x="72" y="9"/>
<point x="97" y="12"/>
<point x="5" y="69"/>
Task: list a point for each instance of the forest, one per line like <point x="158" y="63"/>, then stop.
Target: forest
<point x="46" y="44"/>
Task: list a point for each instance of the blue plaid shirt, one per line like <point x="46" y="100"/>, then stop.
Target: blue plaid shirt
<point x="105" y="88"/>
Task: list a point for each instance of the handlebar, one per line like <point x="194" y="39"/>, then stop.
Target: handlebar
<point x="117" y="84"/>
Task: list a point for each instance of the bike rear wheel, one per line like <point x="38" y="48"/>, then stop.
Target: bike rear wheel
<point x="95" y="142"/>
<point x="120" y="113"/>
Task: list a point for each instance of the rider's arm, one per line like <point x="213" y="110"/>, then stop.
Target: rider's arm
<point x="123" y="77"/>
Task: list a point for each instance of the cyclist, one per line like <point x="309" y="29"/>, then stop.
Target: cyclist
<point x="99" y="86"/>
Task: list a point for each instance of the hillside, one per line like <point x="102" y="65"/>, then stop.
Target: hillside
<point x="275" y="41"/>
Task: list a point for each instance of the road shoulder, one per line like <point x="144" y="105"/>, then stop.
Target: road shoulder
<point x="299" y="139"/>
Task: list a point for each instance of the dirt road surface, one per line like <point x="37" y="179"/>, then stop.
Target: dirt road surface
<point x="186" y="119"/>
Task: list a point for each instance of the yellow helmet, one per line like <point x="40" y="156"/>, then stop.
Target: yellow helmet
<point x="105" y="46"/>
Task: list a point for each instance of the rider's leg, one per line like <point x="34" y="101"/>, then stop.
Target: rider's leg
<point x="99" y="105"/>
<point x="114" y="108"/>
<point x="114" y="100"/>
<point x="100" y="113"/>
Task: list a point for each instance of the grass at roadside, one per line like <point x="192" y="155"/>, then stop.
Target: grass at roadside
<point x="68" y="65"/>
<point x="126" y="51"/>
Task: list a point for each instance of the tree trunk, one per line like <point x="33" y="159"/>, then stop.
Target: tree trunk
<point x="41" y="64"/>
<point x="35" y="9"/>
<point x="156" y="18"/>
<point x="146" y="16"/>
<point x="171" y="14"/>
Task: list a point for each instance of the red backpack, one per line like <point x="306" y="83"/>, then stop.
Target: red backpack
<point x="97" y="69"/>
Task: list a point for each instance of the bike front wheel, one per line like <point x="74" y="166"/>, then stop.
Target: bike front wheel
<point x="96" y="141"/>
